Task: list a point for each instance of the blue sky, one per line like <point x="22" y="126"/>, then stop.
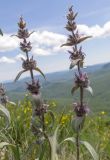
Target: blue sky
<point x="48" y="19"/>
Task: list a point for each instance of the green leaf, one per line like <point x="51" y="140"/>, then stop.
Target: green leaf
<point x="41" y="153"/>
<point x="71" y="139"/>
<point x="28" y="151"/>
<point x="74" y="89"/>
<point x="90" y="149"/>
<point x="81" y="63"/>
<point x="86" y="144"/>
<point x="19" y="74"/>
<point x="83" y="39"/>
<point x="89" y="89"/>
<point x="14" y="148"/>
<point x="74" y="62"/>
<point x="5" y="113"/>
<point x="52" y="118"/>
<point x="67" y="44"/>
<point x="1" y="33"/>
<point x="12" y="103"/>
<point x="3" y="144"/>
<point x="77" y="123"/>
<point x="16" y="152"/>
<point x="37" y="69"/>
<point x="54" y="145"/>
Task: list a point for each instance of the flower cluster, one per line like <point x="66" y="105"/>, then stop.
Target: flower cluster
<point x="39" y="108"/>
<point x="29" y="64"/>
<point x="77" y="57"/>
<point x="25" y="46"/>
<point x="81" y="81"/>
<point x="33" y="88"/>
<point x="80" y="110"/>
<point x="22" y="31"/>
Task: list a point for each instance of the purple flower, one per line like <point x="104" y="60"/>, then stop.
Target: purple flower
<point x="81" y="110"/>
<point x="33" y="87"/>
<point x="82" y="80"/>
<point x="29" y="64"/>
<point x="41" y="109"/>
<point x="25" y="46"/>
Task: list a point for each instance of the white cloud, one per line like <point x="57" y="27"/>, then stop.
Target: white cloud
<point x="8" y="43"/>
<point x="43" y="43"/>
<point x="19" y="56"/>
<point x="6" y="60"/>
<point x="48" y="43"/>
<point x="96" y="31"/>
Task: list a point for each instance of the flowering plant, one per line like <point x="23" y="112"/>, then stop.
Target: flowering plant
<point x="81" y="81"/>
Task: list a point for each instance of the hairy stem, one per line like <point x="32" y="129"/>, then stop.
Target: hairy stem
<point x="47" y="138"/>
<point x="27" y="56"/>
<point x="79" y="70"/>
<point x="31" y="71"/>
<point x="77" y="146"/>
<point x="81" y="96"/>
<point x="32" y="76"/>
<point x="81" y="102"/>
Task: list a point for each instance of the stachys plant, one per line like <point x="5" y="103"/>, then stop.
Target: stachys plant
<point x="81" y="81"/>
<point x="39" y="107"/>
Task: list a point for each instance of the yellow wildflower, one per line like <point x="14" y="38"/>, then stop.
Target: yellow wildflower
<point x="64" y="119"/>
<point x="103" y="113"/>
<point x="46" y="122"/>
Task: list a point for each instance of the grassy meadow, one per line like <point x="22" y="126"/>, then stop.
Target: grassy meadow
<point x="23" y="145"/>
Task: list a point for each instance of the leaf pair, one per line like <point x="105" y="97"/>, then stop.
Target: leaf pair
<point x="89" y="89"/>
<point x="74" y="63"/>
<point x="77" y="41"/>
<point x="21" y="72"/>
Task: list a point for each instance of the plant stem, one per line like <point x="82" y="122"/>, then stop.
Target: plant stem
<point x="31" y="71"/>
<point x="81" y="103"/>
<point x="46" y="137"/>
<point x="32" y="76"/>
<point x="43" y="123"/>
<point x="27" y="56"/>
<point x="77" y="145"/>
<point x="79" y="70"/>
<point x="81" y="88"/>
<point x="81" y="96"/>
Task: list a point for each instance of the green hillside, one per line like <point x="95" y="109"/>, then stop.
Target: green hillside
<point x="58" y="87"/>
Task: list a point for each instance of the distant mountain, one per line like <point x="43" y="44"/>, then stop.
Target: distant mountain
<point x="58" y="87"/>
<point x="107" y="65"/>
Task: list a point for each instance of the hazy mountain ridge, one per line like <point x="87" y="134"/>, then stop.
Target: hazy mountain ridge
<point x="20" y="85"/>
<point x="58" y="87"/>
